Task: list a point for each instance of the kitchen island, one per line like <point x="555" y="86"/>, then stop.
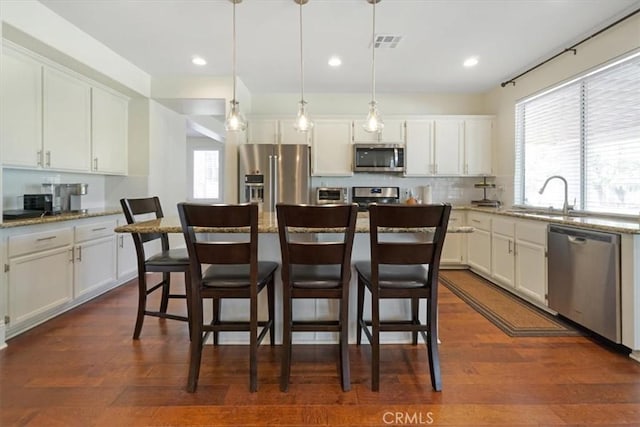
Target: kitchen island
<point x="269" y="250"/>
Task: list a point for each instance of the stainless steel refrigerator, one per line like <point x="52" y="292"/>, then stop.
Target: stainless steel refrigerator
<point x="274" y="173"/>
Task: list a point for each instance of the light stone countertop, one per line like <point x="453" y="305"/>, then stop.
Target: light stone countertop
<point x="267" y="224"/>
<point x="592" y="222"/>
<point x="90" y="213"/>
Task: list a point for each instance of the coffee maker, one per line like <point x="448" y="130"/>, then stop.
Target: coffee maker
<point x="67" y="197"/>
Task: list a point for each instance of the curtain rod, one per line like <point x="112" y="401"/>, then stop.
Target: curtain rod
<point x="569" y="49"/>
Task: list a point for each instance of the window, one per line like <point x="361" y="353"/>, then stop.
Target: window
<point x="205" y="169"/>
<point x="587" y="131"/>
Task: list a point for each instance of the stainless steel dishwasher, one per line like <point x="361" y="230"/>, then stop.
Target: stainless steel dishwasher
<point x="584" y="278"/>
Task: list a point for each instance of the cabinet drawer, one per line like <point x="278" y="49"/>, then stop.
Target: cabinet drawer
<point x="480" y="221"/>
<point x="532" y="231"/>
<point x="35" y="242"/>
<point x="95" y="230"/>
<point x="504" y="226"/>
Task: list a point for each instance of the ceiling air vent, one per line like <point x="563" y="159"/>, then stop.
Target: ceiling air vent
<point x="387" y="41"/>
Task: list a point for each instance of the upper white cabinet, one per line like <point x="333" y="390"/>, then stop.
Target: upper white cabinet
<point x="109" y="118"/>
<point x="52" y="118"/>
<point x="331" y="148"/>
<point x="262" y="131"/>
<point x="478" y="138"/>
<point x="392" y="133"/>
<point x="289" y="135"/>
<point x="66" y="122"/>
<point x="448" y="146"/>
<point x="272" y="131"/>
<point x="418" y="155"/>
<point x="21" y="106"/>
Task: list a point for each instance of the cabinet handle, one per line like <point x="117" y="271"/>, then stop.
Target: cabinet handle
<point x="48" y="159"/>
<point x="79" y="258"/>
<point x="121" y="244"/>
<point x="39" y="158"/>
<point x="476" y="221"/>
<point x="71" y="255"/>
<point x="99" y="229"/>
<point x="95" y="163"/>
<point x="42" y="239"/>
<point x="509" y="247"/>
<point x="435" y="168"/>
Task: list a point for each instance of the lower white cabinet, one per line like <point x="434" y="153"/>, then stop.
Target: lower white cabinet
<point x="531" y="260"/>
<point x="50" y="269"/>
<point x="40" y="273"/>
<point x="479" y="243"/>
<point x="503" y="251"/>
<point x="127" y="261"/>
<point x="94" y="257"/>
<point x="453" y="252"/>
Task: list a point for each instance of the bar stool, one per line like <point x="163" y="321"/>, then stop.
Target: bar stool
<point x="221" y="269"/>
<point x="166" y="261"/>
<point x="314" y="267"/>
<point x="403" y="269"/>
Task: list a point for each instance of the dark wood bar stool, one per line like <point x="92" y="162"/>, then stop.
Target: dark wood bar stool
<point x="221" y="269"/>
<point x="315" y="267"/>
<point x="166" y="261"/>
<point x="403" y="269"/>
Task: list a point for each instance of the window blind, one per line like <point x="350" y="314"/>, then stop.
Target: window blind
<point x="587" y="131"/>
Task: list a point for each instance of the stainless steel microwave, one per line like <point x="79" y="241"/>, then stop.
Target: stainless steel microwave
<point x="378" y="158"/>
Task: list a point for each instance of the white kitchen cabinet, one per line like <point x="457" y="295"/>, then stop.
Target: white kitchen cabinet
<point x="503" y="252"/>
<point x="21" y="108"/>
<point x="478" y="143"/>
<point x="289" y="135"/>
<point x="453" y="252"/>
<point x="94" y="257"/>
<point x="479" y="243"/>
<point x="127" y="261"/>
<point x="392" y="133"/>
<point x="531" y="260"/>
<point x="448" y="146"/>
<point x="262" y="131"/>
<point x="40" y="274"/>
<point x="418" y="153"/>
<point x="331" y="148"/>
<point x="66" y="122"/>
<point x="109" y="132"/>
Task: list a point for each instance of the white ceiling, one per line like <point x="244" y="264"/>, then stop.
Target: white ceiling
<point x="508" y="36"/>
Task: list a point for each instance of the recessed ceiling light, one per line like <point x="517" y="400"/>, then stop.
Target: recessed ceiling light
<point x="471" y="62"/>
<point x="335" y="61"/>
<point x="197" y="60"/>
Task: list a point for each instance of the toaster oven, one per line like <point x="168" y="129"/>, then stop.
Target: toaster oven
<point x="329" y="195"/>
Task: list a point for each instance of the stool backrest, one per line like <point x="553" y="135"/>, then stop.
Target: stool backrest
<point x="430" y="226"/>
<point x="147" y="208"/>
<point x="300" y="227"/>
<point x="198" y="220"/>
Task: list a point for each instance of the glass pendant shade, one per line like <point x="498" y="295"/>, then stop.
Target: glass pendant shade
<point x="303" y="122"/>
<point x="374" y="122"/>
<point x="235" y="120"/>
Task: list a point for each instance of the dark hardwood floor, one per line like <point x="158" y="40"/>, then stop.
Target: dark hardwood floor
<point x="83" y="369"/>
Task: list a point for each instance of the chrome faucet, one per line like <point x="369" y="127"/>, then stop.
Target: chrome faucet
<point x="565" y="206"/>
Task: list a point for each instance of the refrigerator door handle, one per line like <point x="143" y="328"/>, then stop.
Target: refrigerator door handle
<point x="276" y="177"/>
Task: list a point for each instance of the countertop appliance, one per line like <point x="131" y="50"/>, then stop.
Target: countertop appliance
<point x="328" y="195"/>
<point x="584" y="278"/>
<point x="378" y="158"/>
<point x="365" y="195"/>
<point x="274" y="173"/>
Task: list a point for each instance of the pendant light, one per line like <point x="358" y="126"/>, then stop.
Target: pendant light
<point x="303" y="123"/>
<point x="235" y="120"/>
<point x="373" y="122"/>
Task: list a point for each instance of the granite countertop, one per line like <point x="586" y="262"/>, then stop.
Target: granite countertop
<point x="593" y="222"/>
<point x="267" y="224"/>
<point x="90" y="213"/>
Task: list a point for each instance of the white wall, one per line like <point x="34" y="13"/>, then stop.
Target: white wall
<point x="167" y="157"/>
<point x="613" y="43"/>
